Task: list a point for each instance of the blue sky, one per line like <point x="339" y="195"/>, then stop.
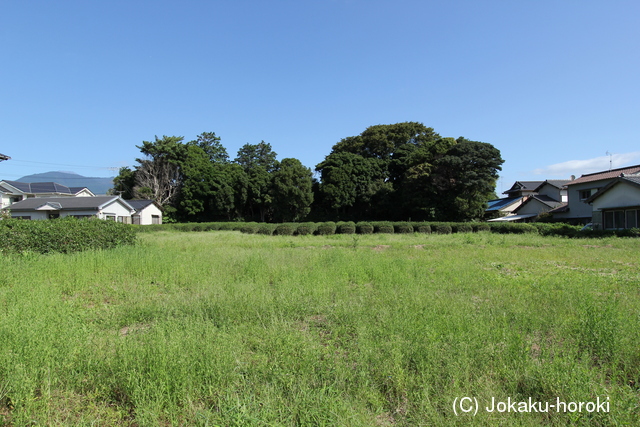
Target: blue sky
<point x="552" y="84"/>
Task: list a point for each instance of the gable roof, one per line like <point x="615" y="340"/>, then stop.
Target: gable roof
<point x="633" y="180"/>
<point x="545" y="200"/>
<point x="68" y="203"/>
<point x="42" y="188"/>
<point x="523" y="186"/>
<point x="4" y="157"/>
<point x="139" y="205"/>
<point x="558" y="183"/>
<point x="613" y="173"/>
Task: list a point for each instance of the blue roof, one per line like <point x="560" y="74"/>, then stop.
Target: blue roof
<point x="496" y="205"/>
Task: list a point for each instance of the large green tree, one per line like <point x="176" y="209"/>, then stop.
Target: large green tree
<point x="258" y="162"/>
<point x="406" y="170"/>
<point x="292" y="193"/>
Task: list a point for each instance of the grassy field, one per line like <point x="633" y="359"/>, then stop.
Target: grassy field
<point x="226" y="329"/>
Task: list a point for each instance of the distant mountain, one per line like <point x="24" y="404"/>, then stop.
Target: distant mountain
<point x="71" y="179"/>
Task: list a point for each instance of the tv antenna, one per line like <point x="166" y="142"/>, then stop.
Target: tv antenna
<point x="610" y="160"/>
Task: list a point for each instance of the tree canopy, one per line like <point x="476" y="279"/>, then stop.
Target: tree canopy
<point x="398" y="171"/>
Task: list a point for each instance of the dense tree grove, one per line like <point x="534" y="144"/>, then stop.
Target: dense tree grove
<point x="388" y="172"/>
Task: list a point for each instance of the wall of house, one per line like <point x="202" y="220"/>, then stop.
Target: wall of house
<point x="147" y="214"/>
<point x="115" y="210"/>
<point x="577" y="207"/>
<point x="554" y="192"/>
<point x="619" y="196"/>
<point x="533" y="207"/>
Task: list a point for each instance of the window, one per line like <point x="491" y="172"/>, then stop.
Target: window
<point x="155" y="219"/>
<point x="632" y="219"/>
<point x="585" y="194"/>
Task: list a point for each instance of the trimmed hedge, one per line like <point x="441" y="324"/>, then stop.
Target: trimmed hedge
<point x="364" y="228"/>
<point x="64" y="235"/>
<point x="306" y="228"/>
<point x="402" y="227"/>
<point x="326" y="228"/>
<point x="284" y="230"/>
<point x="383" y="227"/>
<point x="346" y="227"/>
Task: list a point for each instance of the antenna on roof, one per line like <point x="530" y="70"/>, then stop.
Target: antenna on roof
<point x="610" y="160"/>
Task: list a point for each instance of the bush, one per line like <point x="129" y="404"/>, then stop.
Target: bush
<point x="284" y="230"/>
<point x="364" y="228"/>
<point x="306" y="228"/>
<point x="346" y="227"/>
<point x="481" y="226"/>
<point x="442" y="229"/>
<point x="250" y="228"/>
<point x="403" y="227"/>
<point x="266" y="229"/>
<point x="383" y="227"/>
<point x="462" y="228"/>
<point x="326" y="228"/>
<point x="510" y="228"/>
<point x="422" y="227"/>
<point x="63" y="235"/>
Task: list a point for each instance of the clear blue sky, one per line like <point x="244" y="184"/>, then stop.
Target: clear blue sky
<point x="554" y="85"/>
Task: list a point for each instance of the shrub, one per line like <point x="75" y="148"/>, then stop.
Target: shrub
<point x="266" y="229"/>
<point x="422" y="227"/>
<point x="346" y="227"/>
<point x="481" y="226"/>
<point x="402" y="227"/>
<point x="442" y="228"/>
<point x="63" y="235"/>
<point x="509" y="228"/>
<point x="364" y="228"/>
<point x="462" y="228"/>
<point x="326" y="228"/>
<point x="306" y="228"/>
<point x="250" y="228"/>
<point x="284" y="230"/>
<point x="383" y="227"/>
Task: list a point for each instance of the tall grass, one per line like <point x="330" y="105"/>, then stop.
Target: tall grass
<point x="385" y="329"/>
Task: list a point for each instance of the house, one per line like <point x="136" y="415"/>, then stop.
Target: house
<point x="529" y="199"/>
<point x="104" y="207"/>
<point x="617" y="204"/>
<point x="146" y="212"/>
<point x="515" y="197"/>
<point x="15" y="191"/>
<point x="579" y="190"/>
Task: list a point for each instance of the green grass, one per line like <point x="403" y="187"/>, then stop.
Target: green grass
<point x="226" y="329"/>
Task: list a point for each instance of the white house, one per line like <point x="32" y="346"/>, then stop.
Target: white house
<point x="15" y="191"/>
<point x="617" y="205"/>
<point x="147" y="212"/>
<point x="578" y="210"/>
<point x="103" y="207"/>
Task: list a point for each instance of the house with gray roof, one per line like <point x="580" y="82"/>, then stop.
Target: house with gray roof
<point x="103" y="207"/>
<point x="146" y="212"/>
<point x="15" y="191"/>
<point x="528" y="199"/>
<point x="617" y="204"/>
<point x="578" y="210"/>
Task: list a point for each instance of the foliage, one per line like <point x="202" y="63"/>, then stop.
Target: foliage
<point x="364" y="228"/>
<point x="383" y="227"/>
<point x="348" y="227"/>
<point x="306" y="228"/>
<point x="402" y="227"/>
<point x="442" y="228"/>
<point x="291" y="189"/>
<point x="326" y="228"/>
<point x="64" y="235"/>
<point x="285" y="230"/>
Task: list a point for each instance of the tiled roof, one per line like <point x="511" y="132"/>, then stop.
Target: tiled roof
<point x="523" y="186"/>
<point x="613" y="173"/>
<point x="564" y="207"/>
<point x="66" y="203"/>
<point x="558" y="183"/>
<point x="138" y="205"/>
<point x="4" y="157"/>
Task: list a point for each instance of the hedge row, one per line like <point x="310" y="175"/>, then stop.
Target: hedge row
<point x="328" y="228"/>
<point x="63" y="235"/>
